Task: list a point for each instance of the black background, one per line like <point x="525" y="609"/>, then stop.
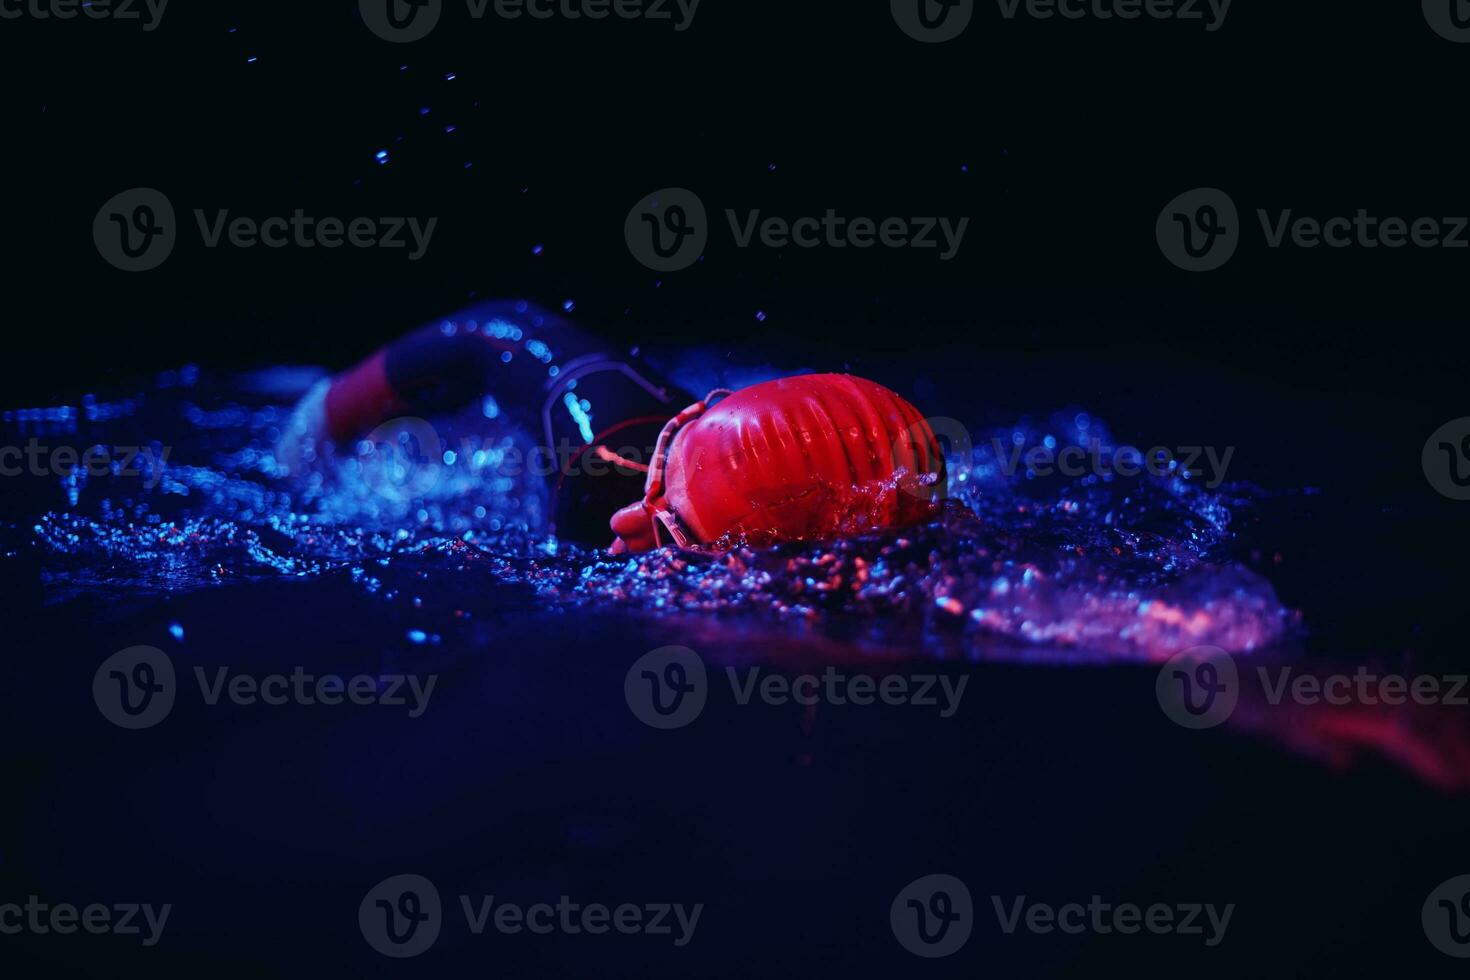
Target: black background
<point x="1072" y="135"/>
<point x="1075" y="134"/>
<point x="1060" y="140"/>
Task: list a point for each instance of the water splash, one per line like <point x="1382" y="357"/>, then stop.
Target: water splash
<point x="1020" y="565"/>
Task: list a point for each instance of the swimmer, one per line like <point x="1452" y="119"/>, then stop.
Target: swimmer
<point x="799" y="458"/>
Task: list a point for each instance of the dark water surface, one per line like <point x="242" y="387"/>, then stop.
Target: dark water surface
<point x="527" y="776"/>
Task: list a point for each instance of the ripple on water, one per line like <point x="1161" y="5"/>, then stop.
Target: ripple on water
<point x="1097" y="567"/>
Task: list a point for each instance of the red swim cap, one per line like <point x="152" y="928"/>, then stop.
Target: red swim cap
<point x="810" y="457"/>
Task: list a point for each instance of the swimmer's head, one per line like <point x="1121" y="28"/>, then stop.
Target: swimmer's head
<point x="812" y="457"/>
